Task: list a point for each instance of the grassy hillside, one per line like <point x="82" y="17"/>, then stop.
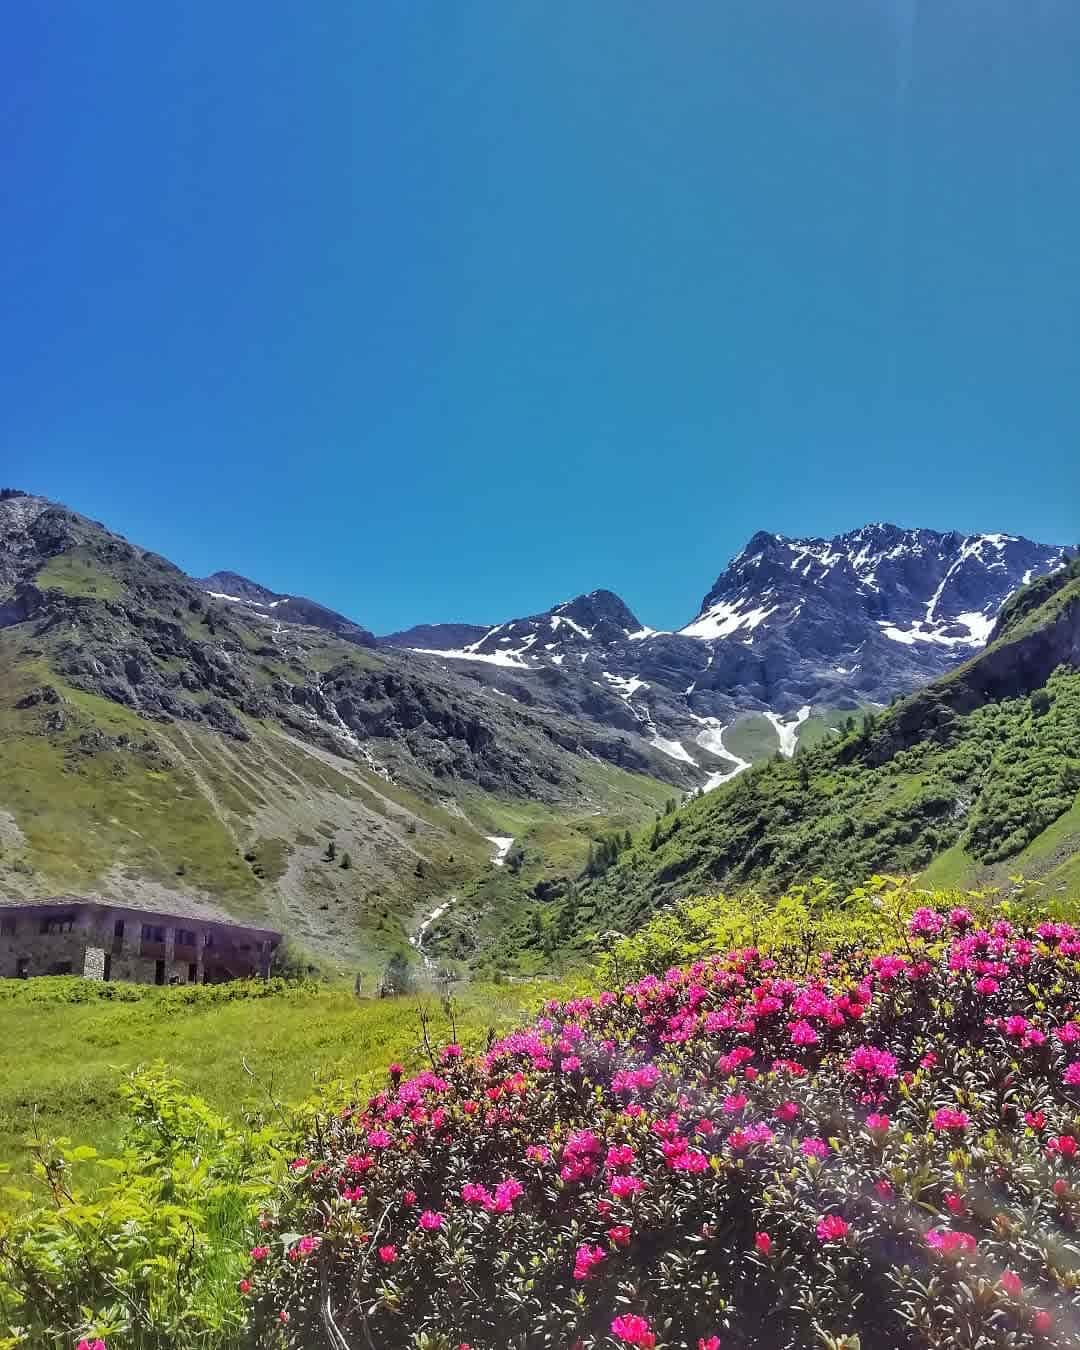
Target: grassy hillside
<point x="157" y="741"/>
<point x="95" y="797"/>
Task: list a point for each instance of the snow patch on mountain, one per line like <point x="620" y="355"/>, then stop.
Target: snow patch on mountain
<point x="725" y="619"/>
<point x="674" y="749"/>
<point x="787" y="729"/>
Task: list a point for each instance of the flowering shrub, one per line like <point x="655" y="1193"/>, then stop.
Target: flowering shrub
<point x="875" y="1149"/>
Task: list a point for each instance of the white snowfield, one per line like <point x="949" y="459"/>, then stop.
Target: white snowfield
<point x="724" y="619"/>
<point x="711" y="738"/>
<point x="625" y="686"/>
<point x="674" y="749"/>
<point x="787" y="729"/>
<point x="979" y="627"/>
<point x="502" y="844"/>
<point x="492" y="658"/>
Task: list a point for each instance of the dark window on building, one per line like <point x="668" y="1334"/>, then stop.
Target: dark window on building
<point x="106" y="973"/>
<point x="159" y="972"/>
<point x="152" y="933"/>
<point x="7" y="927"/>
<point x="208" y="941"/>
<point x="61" y="924"/>
<point x="60" y="968"/>
<point x="193" y="973"/>
<point x="118" y="928"/>
<point x="185" y="937"/>
<point x="22" y="968"/>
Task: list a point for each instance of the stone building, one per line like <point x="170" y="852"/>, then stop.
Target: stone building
<point x="91" y="936"/>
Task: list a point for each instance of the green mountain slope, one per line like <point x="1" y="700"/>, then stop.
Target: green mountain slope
<point x="154" y="740"/>
<point x="971" y="779"/>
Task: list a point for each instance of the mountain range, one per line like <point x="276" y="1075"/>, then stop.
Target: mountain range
<point x="162" y="731"/>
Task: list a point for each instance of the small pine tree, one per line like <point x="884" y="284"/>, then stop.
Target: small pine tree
<point x="346" y="861"/>
<point x="331" y="851"/>
<point x="421" y="870"/>
<point x="627" y="841"/>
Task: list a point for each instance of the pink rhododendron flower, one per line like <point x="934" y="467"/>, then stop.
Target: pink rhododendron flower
<point x="877" y="1123"/>
<point x="814" y="1148"/>
<point x="621" y="1234"/>
<point x="633" y="1330"/>
<point x="586" y="1258"/>
<point x="430" y="1221"/>
<point x="946" y="1118"/>
<point x="1072" y="1074"/>
<point x="619" y="1155"/>
<point x="388" y="1254"/>
<point x="871" y="1063"/>
<point x="91" y="1345"/>
<point x="623" y="1186"/>
<point x="537" y="1153"/>
<point x="1012" y="1284"/>
<point x="260" y="1253"/>
<point x="802" y="1033"/>
<point x="708" y="1343"/>
<point x="831" y="1228"/>
<point x="925" y="923"/>
<point x="1041" y="1321"/>
<point x="763" y="1243"/>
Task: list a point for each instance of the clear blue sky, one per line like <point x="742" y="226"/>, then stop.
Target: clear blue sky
<point x="450" y="309"/>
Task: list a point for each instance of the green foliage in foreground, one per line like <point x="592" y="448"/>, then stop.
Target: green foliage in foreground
<point x="803" y="922"/>
<point x="153" y="1258"/>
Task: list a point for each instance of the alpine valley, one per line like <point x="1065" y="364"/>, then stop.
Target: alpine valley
<point x="497" y="792"/>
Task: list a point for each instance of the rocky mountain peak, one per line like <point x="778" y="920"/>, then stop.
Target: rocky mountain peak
<point x="915" y="585"/>
<point x="232" y="586"/>
<point x="234" y="589"/>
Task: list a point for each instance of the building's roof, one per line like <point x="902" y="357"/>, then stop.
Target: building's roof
<point x="185" y="908"/>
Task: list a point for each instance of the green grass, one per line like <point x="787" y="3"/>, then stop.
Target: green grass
<point x="752" y="738"/>
<point x="61" y="1061"/>
<point x="78" y="573"/>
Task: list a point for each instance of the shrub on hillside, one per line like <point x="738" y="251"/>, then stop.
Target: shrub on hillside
<point x="871" y="1149"/>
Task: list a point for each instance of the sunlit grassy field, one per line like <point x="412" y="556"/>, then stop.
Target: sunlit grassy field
<point x="61" y="1061"/>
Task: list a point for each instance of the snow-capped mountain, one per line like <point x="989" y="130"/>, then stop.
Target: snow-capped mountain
<point x="576" y="628"/>
<point x="916" y="586"/>
<point x="791" y="625"/>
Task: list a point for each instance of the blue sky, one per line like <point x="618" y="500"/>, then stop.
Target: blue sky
<point x="450" y="310"/>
